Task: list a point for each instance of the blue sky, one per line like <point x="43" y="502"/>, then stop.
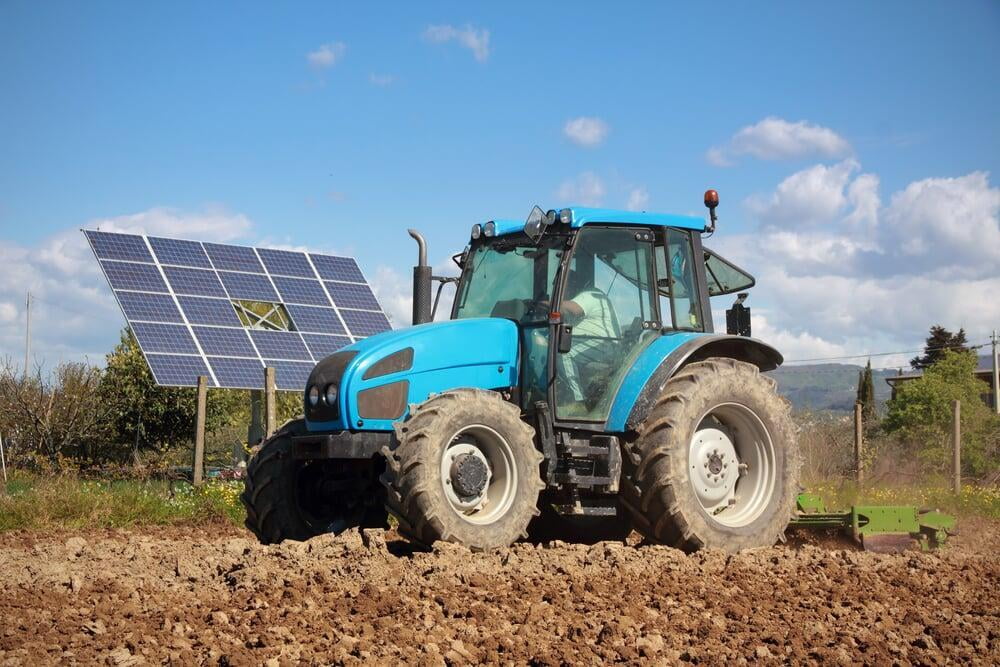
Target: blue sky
<point x="336" y="127"/>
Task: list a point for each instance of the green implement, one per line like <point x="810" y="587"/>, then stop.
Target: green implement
<point x="878" y="528"/>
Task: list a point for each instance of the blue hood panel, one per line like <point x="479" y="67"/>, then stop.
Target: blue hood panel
<point x="479" y="353"/>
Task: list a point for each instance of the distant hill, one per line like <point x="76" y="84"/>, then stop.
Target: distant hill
<point x="827" y="386"/>
<point x="833" y="386"/>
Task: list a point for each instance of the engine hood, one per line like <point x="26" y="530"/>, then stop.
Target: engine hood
<point x="378" y="378"/>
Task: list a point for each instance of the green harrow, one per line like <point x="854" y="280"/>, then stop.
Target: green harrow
<point x="881" y="528"/>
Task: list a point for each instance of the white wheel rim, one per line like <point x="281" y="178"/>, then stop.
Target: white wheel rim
<point x="492" y="449"/>
<point x="731" y="465"/>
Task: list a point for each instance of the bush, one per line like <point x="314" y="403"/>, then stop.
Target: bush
<point x="922" y="413"/>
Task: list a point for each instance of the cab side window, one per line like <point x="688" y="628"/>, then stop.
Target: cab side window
<point x="677" y="284"/>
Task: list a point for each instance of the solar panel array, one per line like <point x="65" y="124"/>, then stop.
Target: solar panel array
<point x="178" y="299"/>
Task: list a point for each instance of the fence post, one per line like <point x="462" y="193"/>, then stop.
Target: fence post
<point x="199" y="431"/>
<point x="270" y="409"/>
<point x="956" y="439"/>
<point x="3" y="464"/>
<point x="859" y="474"/>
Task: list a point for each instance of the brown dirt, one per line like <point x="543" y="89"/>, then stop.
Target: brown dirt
<point x="170" y="595"/>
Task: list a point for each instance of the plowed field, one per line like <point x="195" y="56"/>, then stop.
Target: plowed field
<point x="213" y="596"/>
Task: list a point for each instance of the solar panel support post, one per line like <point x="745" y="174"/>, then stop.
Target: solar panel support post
<point x="270" y="408"/>
<point x="199" y="431"/>
<point x="255" y="432"/>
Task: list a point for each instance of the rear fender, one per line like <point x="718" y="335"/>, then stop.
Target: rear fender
<point x="665" y="356"/>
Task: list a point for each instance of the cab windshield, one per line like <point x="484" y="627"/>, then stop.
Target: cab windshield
<point x="510" y="277"/>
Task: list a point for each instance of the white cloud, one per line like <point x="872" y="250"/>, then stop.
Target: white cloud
<point x="638" y="199"/>
<point x="475" y="39"/>
<point x="395" y="292"/>
<point x="587" y="189"/>
<point x="778" y="139"/>
<point x="381" y="80"/>
<point x="74" y="315"/>
<point x="586" y="131"/>
<point x="809" y="197"/>
<point x="717" y="157"/>
<point x="838" y="269"/>
<point x="327" y="55"/>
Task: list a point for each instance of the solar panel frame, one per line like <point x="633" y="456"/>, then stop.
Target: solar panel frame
<point x="178" y="296"/>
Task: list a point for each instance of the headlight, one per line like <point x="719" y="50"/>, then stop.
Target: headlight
<point x="490" y="229"/>
<point x="477" y="231"/>
<point x="331" y="394"/>
<point x="313" y="395"/>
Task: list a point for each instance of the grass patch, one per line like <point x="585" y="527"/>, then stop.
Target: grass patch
<point x="973" y="501"/>
<point x="47" y="503"/>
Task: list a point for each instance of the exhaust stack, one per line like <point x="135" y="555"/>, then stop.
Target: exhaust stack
<point x="421" y="282"/>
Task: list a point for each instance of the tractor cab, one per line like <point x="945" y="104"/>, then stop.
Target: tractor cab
<point x="589" y="289"/>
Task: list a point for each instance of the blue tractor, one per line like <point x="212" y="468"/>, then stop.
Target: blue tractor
<point x="578" y="386"/>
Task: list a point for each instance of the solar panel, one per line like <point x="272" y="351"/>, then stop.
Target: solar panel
<point x="280" y="345"/>
<point x="364" y="322"/>
<point x="316" y="320"/>
<point x="248" y="286"/>
<point x="233" y="258"/>
<point x="297" y="290"/>
<point x="290" y="375"/>
<point x="350" y="295"/>
<point x="224" y="341"/>
<point x="194" y="282"/>
<point x="285" y="263"/>
<point x="119" y="246"/>
<point x="175" y="370"/>
<point x="133" y="276"/>
<point x="209" y="311"/>
<point x="323" y="346"/>
<point x="155" y="337"/>
<point x="149" y="307"/>
<point x="237" y="373"/>
<point x="180" y="253"/>
<point x="181" y="300"/>
<point x="337" y="268"/>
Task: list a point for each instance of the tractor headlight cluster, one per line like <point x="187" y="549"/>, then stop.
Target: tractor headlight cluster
<point x="328" y="396"/>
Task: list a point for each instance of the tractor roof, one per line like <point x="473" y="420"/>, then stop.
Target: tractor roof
<point x="585" y="216"/>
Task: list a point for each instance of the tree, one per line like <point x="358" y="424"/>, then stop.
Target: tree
<point x="144" y="415"/>
<point x="922" y="413"/>
<point x="866" y="395"/>
<point x="51" y="419"/>
<point x="939" y="340"/>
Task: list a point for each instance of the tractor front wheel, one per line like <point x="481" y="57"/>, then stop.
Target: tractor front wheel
<point x="463" y="468"/>
<point x="289" y="499"/>
<point x="716" y="462"/>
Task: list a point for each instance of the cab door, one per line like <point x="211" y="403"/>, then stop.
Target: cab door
<point x="609" y="313"/>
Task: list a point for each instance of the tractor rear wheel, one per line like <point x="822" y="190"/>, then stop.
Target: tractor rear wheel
<point x="716" y="462"/>
<point x="289" y="499"/>
<point x="463" y="468"/>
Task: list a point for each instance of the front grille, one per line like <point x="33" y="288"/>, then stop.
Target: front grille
<point x="328" y="371"/>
